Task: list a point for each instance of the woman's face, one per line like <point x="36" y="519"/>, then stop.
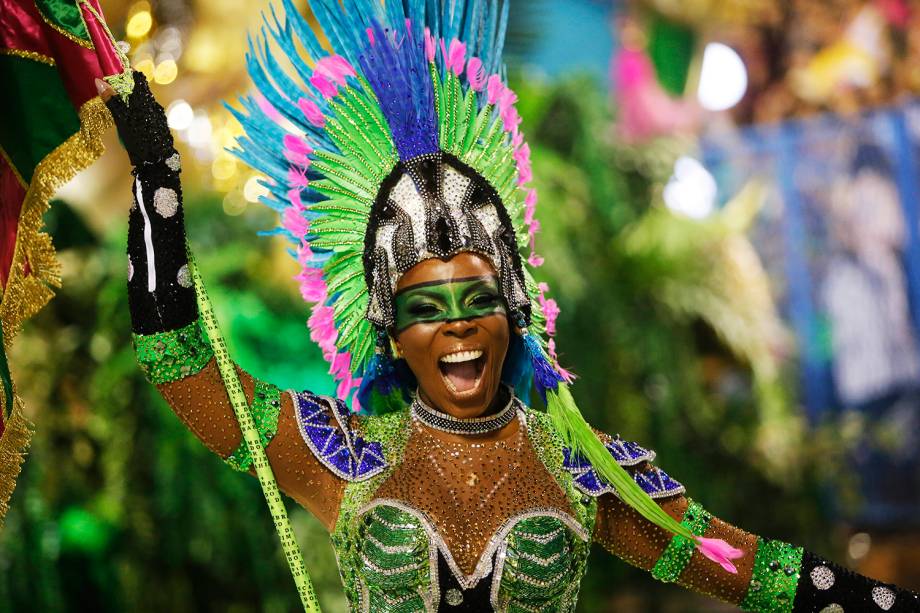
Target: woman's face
<point x="452" y="330"/>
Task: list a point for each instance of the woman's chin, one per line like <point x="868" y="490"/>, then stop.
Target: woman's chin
<point x="465" y="401"/>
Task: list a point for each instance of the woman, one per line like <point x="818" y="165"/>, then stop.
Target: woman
<point x="400" y="173"/>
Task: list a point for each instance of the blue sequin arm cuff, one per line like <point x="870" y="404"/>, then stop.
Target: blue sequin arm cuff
<point x="324" y="425"/>
<point x="635" y="458"/>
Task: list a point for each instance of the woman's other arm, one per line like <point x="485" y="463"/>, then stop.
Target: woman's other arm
<point x="772" y="576"/>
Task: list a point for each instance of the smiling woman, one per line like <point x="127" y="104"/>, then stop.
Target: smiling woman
<point x="403" y="189"/>
<point x="452" y="329"/>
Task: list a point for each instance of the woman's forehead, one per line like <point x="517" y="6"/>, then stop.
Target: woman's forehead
<point x="463" y="265"/>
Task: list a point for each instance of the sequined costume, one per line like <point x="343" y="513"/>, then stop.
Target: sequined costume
<point x="424" y="517"/>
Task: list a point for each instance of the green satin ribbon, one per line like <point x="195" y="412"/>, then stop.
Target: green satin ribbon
<point x="443" y="301"/>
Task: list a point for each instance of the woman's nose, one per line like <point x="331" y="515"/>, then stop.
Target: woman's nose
<point x="459" y="328"/>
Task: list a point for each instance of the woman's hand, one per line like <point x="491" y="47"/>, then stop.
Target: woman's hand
<point x="141" y="122"/>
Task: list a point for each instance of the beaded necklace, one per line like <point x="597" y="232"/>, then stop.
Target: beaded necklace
<point x="455" y="425"/>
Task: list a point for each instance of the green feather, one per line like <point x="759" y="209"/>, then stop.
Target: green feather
<point x="580" y="438"/>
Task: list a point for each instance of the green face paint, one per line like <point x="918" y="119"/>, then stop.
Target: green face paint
<point x="441" y="301"/>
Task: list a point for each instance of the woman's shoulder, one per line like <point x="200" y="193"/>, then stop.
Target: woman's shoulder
<point x="633" y="457"/>
<point x="350" y="445"/>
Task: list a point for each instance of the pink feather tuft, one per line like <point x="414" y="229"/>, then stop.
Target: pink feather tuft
<point x="323" y="85"/>
<point x="530" y="206"/>
<point x="494" y="88"/>
<point x="370" y="36"/>
<point x="335" y="68"/>
<point x="297" y="177"/>
<point x="720" y="552"/>
<point x="322" y="328"/>
<point x="430" y="47"/>
<point x="311" y="112"/>
<point x="475" y="74"/>
<point x="456" y="56"/>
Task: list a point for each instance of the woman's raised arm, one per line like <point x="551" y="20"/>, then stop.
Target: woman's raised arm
<point x="171" y="345"/>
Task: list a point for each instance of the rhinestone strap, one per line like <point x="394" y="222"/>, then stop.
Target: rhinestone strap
<point x="677" y="555"/>
<point x="775" y="578"/>
<point x="266" y="405"/>
<point x="454" y="425"/>
<point x="169" y="356"/>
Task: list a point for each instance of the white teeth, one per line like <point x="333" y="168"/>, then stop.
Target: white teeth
<point x="462" y="356"/>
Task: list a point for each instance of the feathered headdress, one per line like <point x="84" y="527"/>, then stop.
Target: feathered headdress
<point x="404" y="143"/>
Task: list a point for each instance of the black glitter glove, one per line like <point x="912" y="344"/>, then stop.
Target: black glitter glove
<point x="160" y="292"/>
<point x="141" y="124"/>
<point x="825" y="586"/>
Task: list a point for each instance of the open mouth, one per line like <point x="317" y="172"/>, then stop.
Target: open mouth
<point x="462" y="370"/>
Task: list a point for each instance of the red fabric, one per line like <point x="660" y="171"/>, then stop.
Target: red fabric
<point x="108" y="59"/>
<point x="11" y="197"/>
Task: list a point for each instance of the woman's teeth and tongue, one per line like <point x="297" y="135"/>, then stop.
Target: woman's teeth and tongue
<point x="462" y="376"/>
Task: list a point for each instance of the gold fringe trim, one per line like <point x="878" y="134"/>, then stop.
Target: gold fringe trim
<point x="65" y="33"/>
<point x="13" y="446"/>
<point x="29" y="55"/>
<point x="26" y="295"/>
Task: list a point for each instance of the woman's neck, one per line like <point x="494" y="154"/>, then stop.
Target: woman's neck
<point x="499" y="401"/>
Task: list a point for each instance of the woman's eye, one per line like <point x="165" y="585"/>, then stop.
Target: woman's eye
<point x="424" y="310"/>
<point x="485" y="299"/>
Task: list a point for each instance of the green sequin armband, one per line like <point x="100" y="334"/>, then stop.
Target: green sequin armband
<point x="266" y="405"/>
<point x="777" y="566"/>
<point x="677" y="555"/>
<point x="169" y="356"/>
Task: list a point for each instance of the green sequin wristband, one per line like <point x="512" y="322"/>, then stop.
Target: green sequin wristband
<point x="676" y="556"/>
<point x="169" y="356"/>
<point x="775" y="578"/>
<point x="266" y="406"/>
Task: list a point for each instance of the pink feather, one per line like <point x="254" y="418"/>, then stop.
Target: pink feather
<point x="494" y="88"/>
<point x="323" y="85"/>
<point x="475" y="74"/>
<point x="430" y="47"/>
<point x="720" y="552"/>
<point x="311" y="112"/>
<point x="456" y="56"/>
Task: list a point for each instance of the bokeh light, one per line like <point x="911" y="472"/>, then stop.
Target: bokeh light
<point x="723" y="78"/>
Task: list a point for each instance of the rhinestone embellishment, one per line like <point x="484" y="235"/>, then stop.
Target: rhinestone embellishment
<point x="822" y="577"/>
<point x="883" y="597"/>
<point x="166" y="202"/>
<point x="172" y="162"/>
<point x="832" y="608"/>
<point x="183" y="277"/>
<point x="453" y="597"/>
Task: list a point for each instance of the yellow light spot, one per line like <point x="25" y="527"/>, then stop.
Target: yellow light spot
<point x="253" y="190"/>
<point x="234" y="203"/>
<point x="166" y="72"/>
<point x="139" y="24"/>
<point x="223" y="168"/>
<point x="146" y="66"/>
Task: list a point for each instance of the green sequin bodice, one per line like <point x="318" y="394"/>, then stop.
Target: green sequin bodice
<point x="388" y="550"/>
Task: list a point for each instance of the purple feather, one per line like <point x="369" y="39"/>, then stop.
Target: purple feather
<point x="545" y="376"/>
<point x="394" y="64"/>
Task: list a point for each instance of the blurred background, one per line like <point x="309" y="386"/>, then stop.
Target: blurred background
<point x="728" y="196"/>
